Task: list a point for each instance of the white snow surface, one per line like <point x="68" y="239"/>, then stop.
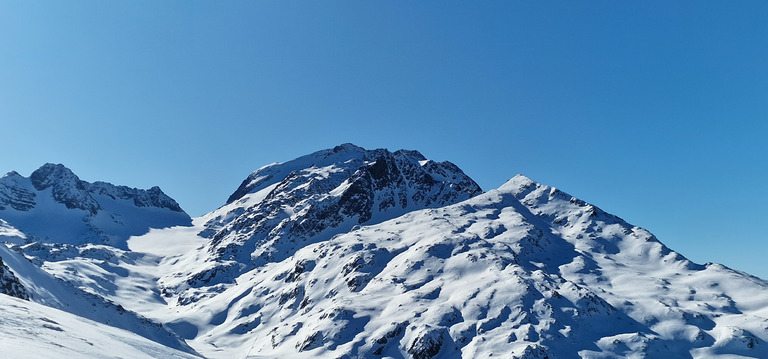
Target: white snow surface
<point x="9" y="233"/>
<point x="32" y="330"/>
<point x="524" y="271"/>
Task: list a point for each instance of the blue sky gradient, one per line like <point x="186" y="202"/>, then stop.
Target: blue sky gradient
<point x="655" y="111"/>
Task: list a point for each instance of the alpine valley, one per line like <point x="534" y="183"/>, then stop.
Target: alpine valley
<point x="354" y="253"/>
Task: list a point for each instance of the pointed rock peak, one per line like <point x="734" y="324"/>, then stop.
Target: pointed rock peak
<point x="347" y="147"/>
<point x="411" y="153"/>
<point x="11" y="174"/>
<point x="50" y="174"/>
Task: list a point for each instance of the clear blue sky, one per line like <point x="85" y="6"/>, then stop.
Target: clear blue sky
<point x="655" y="111"/>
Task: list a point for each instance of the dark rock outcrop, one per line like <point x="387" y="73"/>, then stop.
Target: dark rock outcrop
<point x="9" y="284"/>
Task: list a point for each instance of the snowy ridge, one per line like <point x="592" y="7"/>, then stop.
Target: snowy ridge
<point x="69" y="190"/>
<point x="53" y="217"/>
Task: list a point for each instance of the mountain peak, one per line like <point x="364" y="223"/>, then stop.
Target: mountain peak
<point x="410" y="153"/>
<point x="67" y="188"/>
<point x="284" y="206"/>
<point x="344" y="155"/>
<point x="348" y="147"/>
<point x="349" y="158"/>
<point x="11" y="174"/>
<point x="516" y="182"/>
<point x="50" y="173"/>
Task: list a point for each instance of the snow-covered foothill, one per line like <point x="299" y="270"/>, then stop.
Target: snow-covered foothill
<point x="32" y="330"/>
<point x="43" y="288"/>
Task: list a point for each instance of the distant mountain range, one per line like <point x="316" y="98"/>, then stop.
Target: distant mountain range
<point x="355" y="253"/>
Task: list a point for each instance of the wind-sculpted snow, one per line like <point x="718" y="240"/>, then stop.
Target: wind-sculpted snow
<point x="282" y="207"/>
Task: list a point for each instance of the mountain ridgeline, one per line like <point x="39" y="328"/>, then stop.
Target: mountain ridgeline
<point x="355" y="253"/>
<point x="80" y="212"/>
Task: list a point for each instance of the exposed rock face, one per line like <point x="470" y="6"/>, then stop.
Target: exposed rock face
<point x="14" y="195"/>
<point x="73" y="192"/>
<point x="66" y="188"/>
<point x="9" y="284"/>
<point x="153" y="197"/>
<point x="283" y="207"/>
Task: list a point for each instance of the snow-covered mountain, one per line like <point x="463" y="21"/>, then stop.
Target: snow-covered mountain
<point x="348" y="253"/>
<point x="54" y="206"/>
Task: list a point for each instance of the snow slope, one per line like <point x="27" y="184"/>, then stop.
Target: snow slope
<point x="41" y="287"/>
<point x="31" y="330"/>
<point x="10" y="284"/>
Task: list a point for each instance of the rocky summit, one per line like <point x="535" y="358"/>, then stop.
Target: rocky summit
<point x="355" y="253"/>
<point x="283" y="207"/>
